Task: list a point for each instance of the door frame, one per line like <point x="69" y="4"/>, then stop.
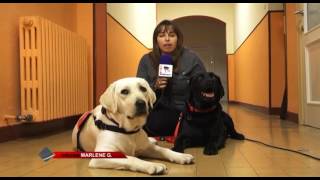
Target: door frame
<point x="304" y="84"/>
<point x="301" y="65"/>
<point x="99" y="50"/>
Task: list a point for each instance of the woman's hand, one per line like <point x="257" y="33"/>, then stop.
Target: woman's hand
<point x="161" y="83"/>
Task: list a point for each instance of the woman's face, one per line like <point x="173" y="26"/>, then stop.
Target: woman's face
<point x="167" y="41"/>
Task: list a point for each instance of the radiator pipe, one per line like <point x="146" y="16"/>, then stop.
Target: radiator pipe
<point x="27" y="22"/>
<point x="20" y="118"/>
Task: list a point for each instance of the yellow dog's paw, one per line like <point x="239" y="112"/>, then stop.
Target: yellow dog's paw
<point x="156" y="168"/>
<point x="183" y="158"/>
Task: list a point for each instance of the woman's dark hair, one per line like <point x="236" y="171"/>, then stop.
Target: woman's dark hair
<point x="155" y="54"/>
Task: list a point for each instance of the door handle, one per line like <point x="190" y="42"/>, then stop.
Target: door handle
<point x="212" y="65"/>
<point x="300" y="12"/>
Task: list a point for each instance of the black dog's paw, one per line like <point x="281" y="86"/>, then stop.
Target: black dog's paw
<point x="237" y="136"/>
<point x="177" y="149"/>
<point x="210" y="149"/>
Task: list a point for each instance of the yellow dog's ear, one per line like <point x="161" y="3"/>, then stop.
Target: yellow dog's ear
<point x="109" y="100"/>
<point x="151" y="95"/>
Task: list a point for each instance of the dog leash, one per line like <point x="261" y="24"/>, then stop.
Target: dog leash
<point x="171" y="139"/>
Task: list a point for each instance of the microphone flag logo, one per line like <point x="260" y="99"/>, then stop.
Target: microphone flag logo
<point x="165" y="70"/>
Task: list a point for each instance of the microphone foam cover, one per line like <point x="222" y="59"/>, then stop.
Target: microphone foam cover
<point x="166" y="59"/>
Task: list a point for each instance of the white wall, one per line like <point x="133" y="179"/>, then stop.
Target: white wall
<point x="247" y="16"/>
<point x="140" y="19"/>
<point x="137" y="18"/>
<point x="221" y="11"/>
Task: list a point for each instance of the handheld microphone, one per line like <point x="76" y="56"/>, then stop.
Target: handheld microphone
<point x="165" y="70"/>
<point x="165" y="66"/>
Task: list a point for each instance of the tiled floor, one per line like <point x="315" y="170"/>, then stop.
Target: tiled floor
<point x="238" y="158"/>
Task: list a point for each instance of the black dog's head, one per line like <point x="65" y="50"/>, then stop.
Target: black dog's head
<point x="206" y="90"/>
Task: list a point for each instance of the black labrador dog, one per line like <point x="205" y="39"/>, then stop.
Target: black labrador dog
<point x="205" y="123"/>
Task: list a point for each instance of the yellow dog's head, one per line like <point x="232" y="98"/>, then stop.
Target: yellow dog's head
<point x="129" y="101"/>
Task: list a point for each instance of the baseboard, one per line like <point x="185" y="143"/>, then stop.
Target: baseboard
<point x="37" y="129"/>
<point x="250" y="106"/>
<point x="290" y="116"/>
<point x="273" y="111"/>
<point x="294" y="117"/>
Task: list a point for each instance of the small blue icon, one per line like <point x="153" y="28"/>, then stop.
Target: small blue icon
<point x="46" y="154"/>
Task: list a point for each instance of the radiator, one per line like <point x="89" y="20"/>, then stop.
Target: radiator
<point x="53" y="70"/>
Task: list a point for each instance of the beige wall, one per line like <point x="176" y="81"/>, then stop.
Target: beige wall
<point x="137" y="18"/>
<point x="62" y="14"/>
<point x="124" y="51"/>
<point x="221" y="11"/>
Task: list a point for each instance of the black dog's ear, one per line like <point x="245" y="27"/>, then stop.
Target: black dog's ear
<point x="220" y="88"/>
<point x="194" y="77"/>
<point x="212" y="75"/>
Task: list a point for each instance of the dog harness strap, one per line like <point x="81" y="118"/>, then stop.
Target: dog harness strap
<point x="83" y="118"/>
<point x="80" y="125"/>
<point x="112" y="120"/>
<point x="104" y="112"/>
<point x="102" y="126"/>
<point x="193" y="109"/>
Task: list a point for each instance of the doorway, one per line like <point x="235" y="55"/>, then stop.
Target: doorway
<point x="207" y="37"/>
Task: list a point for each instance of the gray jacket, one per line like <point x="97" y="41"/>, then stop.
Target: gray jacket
<point x="176" y="94"/>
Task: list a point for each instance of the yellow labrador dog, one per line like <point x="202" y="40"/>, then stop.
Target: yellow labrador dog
<point x="116" y="125"/>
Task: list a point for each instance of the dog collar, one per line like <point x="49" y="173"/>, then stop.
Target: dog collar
<point x="103" y="126"/>
<point x="193" y="109"/>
